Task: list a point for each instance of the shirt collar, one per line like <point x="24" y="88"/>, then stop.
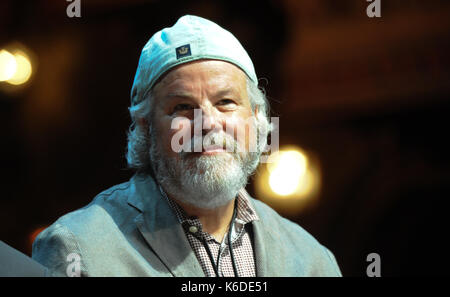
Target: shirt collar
<point x="245" y="211"/>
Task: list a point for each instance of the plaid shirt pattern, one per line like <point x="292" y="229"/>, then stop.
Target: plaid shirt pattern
<point x="240" y="239"/>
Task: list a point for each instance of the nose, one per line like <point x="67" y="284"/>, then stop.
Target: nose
<point x="209" y="120"/>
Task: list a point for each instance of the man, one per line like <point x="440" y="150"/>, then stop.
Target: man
<point x="186" y="212"/>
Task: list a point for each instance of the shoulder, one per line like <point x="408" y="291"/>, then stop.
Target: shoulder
<point x="79" y="231"/>
<point x="291" y="239"/>
<point x="111" y="202"/>
<point x="288" y="228"/>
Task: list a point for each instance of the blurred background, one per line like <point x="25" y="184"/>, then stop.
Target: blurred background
<point x="363" y="106"/>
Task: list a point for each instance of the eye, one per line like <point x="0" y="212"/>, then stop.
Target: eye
<point x="226" y="102"/>
<point x="182" y="106"/>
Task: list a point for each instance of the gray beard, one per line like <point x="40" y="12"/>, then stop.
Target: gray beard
<point x="203" y="181"/>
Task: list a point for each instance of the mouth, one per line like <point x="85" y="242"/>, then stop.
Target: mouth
<point x="213" y="149"/>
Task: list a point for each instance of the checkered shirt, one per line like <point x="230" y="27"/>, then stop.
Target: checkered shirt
<point x="240" y="239"/>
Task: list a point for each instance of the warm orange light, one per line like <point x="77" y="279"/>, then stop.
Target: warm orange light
<point x="287" y="170"/>
<point x="23" y="69"/>
<point x="290" y="181"/>
<point x="15" y="66"/>
<point x="8" y="65"/>
<point x="34" y="234"/>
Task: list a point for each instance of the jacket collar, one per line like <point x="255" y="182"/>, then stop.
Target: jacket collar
<point x="160" y="228"/>
<point x="265" y="245"/>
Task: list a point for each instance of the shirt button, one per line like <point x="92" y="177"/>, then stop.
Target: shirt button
<point x="193" y="229"/>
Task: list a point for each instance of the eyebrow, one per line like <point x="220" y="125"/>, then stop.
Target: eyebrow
<point x="180" y="95"/>
<point x="188" y="95"/>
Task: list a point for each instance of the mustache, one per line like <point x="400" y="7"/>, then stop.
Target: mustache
<point x="222" y="140"/>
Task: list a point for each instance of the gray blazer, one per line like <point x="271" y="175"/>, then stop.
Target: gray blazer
<point x="130" y="230"/>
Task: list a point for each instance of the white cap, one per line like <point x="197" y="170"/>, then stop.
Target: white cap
<point x="191" y="38"/>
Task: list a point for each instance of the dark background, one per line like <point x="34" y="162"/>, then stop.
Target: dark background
<point x="369" y="96"/>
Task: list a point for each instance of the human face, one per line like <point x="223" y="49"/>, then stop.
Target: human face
<point x="209" y="178"/>
<point x="215" y="88"/>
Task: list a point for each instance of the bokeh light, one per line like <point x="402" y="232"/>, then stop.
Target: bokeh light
<point x="23" y="70"/>
<point x="33" y="234"/>
<point x="8" y="65"/>
<point x="290" y="180"/>
<point x="287" y="170"/>
<point x="15" y="66"/>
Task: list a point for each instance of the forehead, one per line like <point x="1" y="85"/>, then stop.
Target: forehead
<point x="203" y="76"/>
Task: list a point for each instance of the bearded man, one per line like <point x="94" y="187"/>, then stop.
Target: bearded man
<point x="186" y="212"/>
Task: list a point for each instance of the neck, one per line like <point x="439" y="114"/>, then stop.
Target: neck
<point x="214" y="221"/>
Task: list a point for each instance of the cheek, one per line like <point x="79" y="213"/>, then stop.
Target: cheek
<point x="243" y="128"/>
<point x="176" y="135"/>
<point x="162" y="135"/>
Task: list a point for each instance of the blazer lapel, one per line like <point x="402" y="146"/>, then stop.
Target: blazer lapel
<point x="161" y="230"/>
<point x="269" y="253"/>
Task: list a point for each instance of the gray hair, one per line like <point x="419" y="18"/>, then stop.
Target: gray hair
<point x="137" y="155"/>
